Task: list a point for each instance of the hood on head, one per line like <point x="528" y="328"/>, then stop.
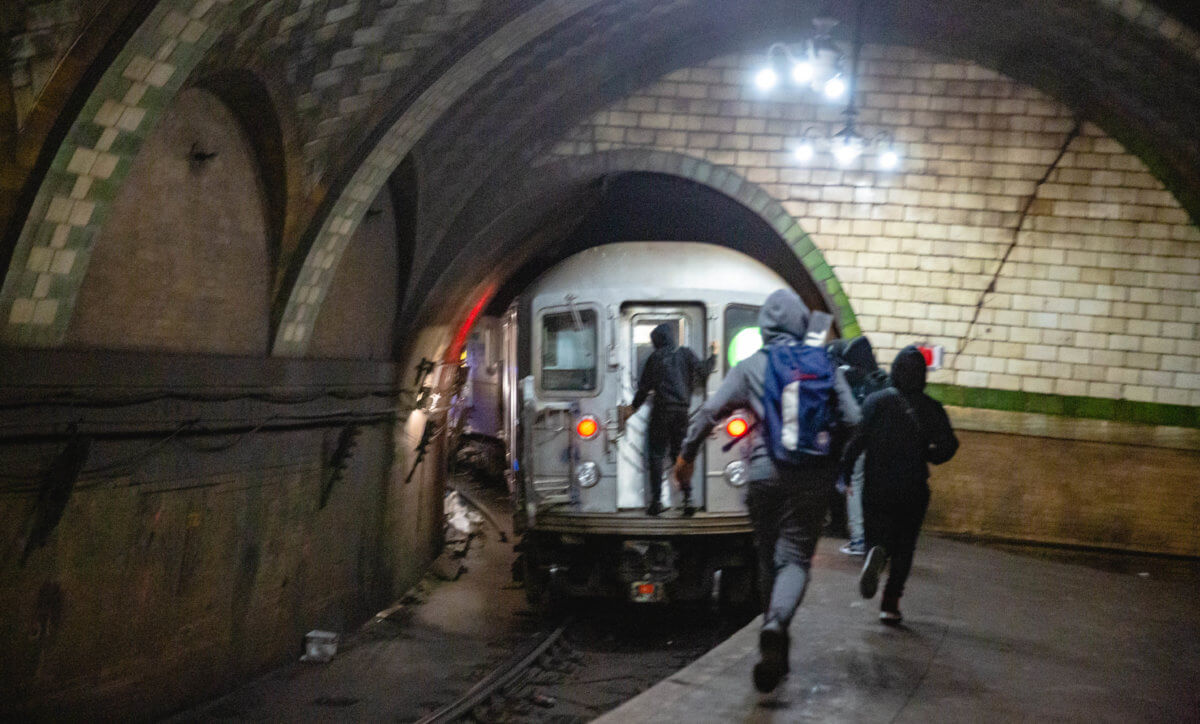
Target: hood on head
<point x="783" y="316"/>
<point x="860" y="355"/>
<point x="663" y="336"/>
<point x="908" y="370"/>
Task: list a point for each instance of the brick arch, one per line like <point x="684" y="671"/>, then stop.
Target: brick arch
<point x="89" y="167"/>
<point x="312" y="279"/>
<point x="75" y="195"/>
<point x="550" y="179"/>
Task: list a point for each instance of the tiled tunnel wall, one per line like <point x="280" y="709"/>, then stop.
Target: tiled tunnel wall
<point x="1095" y="313"/>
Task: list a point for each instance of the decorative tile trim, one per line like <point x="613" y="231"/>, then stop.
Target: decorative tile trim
<point x="312" y="283"/>
<point x="1092" y="408"/>
<point x="75" y="198"/>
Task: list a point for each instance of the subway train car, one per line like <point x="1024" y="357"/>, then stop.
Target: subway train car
<point x="575" y="342"/>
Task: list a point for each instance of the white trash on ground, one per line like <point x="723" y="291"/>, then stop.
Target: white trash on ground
<point x="319" y="646"/>
<point x="461" y="521"/>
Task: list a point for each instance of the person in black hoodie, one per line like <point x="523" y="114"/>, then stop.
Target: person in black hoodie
<point x="902" y="430"/>
<point x="670" y="374"/>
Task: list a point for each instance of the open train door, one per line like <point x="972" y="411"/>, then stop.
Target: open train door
<point x="637" y="321"/>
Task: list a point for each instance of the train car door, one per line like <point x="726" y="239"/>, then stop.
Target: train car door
<point x="637" y="320"/>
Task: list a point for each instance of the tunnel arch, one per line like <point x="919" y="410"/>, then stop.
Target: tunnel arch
<point x="183" y="30"/>
<point x="629" y="195"/>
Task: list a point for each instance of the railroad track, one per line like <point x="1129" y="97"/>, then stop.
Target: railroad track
<point x="511" y="685"/>
<point x="508" y="686"/>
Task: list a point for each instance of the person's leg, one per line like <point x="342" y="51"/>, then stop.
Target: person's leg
<point x="675" y="435"/>
<point x="854" y="509"/>
<point x="801" y="515"/>
<point x="762" y="505"/>
<point x="656" y="449"/>
<point x="878" y="524"/>
<point x="799" y="512"/>
<point x="907" y="527"/>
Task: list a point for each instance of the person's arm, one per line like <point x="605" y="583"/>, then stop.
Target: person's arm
<point x="858" y="440"/>
<point x="849" y="413"/>
<point x="731" y="395"/>
<point x="710" y="363"/>
<point x="942" y="441"/>
<point x="647" y="382"/>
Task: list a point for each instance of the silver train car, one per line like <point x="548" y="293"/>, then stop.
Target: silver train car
<point x="574" y="343"/>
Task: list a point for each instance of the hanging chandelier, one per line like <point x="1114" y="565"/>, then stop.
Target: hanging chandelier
<point x="819" y="65"/>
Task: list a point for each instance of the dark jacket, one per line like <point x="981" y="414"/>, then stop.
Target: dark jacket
<point x="671" y="372"/>
<point x="783" y="319"/>
<point x="902" y="430"/>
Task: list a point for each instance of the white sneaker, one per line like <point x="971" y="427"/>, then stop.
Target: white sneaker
<point x="854" y="547"/>
<point x="890" y="617"/>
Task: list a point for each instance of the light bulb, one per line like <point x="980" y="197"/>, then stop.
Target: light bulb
<point x="766" y="79"/>
<point x="835" y="87"/>
<point x="889" y="159"/>
<point x="804" y="152"/>
<point x="847" y="150"/>
<point x="802" y="72"/>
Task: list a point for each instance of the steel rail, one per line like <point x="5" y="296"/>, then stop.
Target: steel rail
<point x="494" y="682"/>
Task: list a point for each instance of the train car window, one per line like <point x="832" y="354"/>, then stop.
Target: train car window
<point x="742" y="335"/>
<point x="569" y="351"/>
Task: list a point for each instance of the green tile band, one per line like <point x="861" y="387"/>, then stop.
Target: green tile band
<point x="1093" y="408"/>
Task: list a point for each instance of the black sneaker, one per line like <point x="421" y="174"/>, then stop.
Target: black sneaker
<point x="654" y="509"/>
<point x="688" y="509"/>
<point x="868" y="580"/>
<point x="773" y="647"/>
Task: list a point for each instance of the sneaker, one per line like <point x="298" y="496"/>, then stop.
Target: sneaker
<point x="773" y="647"/>
<point x="868" y="580"/>
<point x="890" y="618"/>
<point x="688" y="509"/>
<point x="654" y="509"/>
<point x="855" y="547"/>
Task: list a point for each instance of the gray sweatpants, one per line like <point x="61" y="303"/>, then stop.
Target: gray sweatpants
<point x="787" y="515"/>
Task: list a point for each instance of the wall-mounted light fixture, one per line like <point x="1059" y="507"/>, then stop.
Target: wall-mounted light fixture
<point x="197" y="156"/>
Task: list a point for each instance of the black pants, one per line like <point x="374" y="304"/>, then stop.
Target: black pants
<point x="664" y="438"/>
<point x="893" y="520"/>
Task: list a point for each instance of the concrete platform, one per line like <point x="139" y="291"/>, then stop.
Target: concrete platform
<point x="988" y="636"/>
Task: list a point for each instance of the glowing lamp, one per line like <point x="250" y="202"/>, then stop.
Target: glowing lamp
<point x="736" y="427"/>
<point x="587" y="427"/>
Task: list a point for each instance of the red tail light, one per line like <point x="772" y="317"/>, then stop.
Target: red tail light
<point x="587" y="427"/>
<point x="736" y="427"/>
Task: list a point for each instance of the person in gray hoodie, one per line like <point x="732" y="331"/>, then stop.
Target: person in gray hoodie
<point x="787" y="503"/>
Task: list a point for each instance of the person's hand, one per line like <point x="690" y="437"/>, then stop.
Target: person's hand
<point x="683" y="471"/>
<point x="624" y="412"/>
<point x="712" y="349"/>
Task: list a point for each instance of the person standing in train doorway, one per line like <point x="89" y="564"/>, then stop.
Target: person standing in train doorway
<point x="903" y="429"/>
<point x="670" y="374"/>
<point x="797" y="397"/>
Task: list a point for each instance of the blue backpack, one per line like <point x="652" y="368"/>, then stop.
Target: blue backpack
<point x="797" y="396"/>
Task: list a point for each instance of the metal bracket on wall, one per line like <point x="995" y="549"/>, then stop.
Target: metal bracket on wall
<point x="54" y="491"/>
<point x="338" y="462"/>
